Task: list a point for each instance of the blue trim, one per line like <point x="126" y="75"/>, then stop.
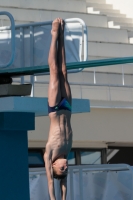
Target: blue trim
<point x="17" y="121"/>
<point x="14" y="174"/>
<point x="14" y="177"/>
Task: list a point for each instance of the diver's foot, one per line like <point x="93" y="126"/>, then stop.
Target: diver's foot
<point x="55" y="28"/>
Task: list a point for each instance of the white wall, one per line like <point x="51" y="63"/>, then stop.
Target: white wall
<point x="126" y="7"/>
<point x="93" y="129"/>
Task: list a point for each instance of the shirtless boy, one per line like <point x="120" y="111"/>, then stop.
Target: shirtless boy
<point x="59" y="106"/>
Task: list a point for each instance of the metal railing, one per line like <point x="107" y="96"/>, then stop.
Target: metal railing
<point x="12" y="28"/>
<point x="31" y="26"/>
<point x="88" y="168"/>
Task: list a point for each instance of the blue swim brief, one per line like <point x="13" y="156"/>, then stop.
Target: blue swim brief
<point x="63" y="105"/>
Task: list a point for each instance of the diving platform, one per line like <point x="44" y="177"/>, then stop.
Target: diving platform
<point x="38" y="105"/>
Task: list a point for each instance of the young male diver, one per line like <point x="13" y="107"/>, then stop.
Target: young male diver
<point x="59" y="107"/>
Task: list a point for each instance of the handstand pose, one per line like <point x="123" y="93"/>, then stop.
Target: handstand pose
<point x="59" y="107"/>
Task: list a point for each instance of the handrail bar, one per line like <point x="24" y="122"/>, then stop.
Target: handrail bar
<point x="12" y="28"/>
<point x="71" y="20"/>
<point x="75" y="65"/>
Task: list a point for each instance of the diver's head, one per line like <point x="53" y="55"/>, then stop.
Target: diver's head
<point x="60" y="168"/>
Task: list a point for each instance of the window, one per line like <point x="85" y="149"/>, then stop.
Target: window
<point x="77" y="156"/>
<point x="35" y="158"/>
<point x="71" y="158"/>
<point x="116" y="155"/>
<point x="90" y="157"/>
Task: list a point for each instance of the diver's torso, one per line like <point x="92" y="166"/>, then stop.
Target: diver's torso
<point x="60" y="134"/>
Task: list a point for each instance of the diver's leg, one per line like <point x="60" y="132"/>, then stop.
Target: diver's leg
<point x="64" y="84"/>
<point x="54" y="94"/>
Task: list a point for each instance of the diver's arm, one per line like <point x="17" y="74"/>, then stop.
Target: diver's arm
<point x="49" y="172"/>
<point x="63" y="187"/>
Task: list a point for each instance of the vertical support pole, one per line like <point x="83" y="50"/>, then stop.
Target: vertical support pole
<point x="123" y="78"/>
<point x="94" y="76"/>
<point x="14" y="174"/>
<point x="81" y="183"/>
<point x="22" y="51"/>
<point x="71" y="185"/>
<point x="85" y="29"/>
<point x="32" y="57"/>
